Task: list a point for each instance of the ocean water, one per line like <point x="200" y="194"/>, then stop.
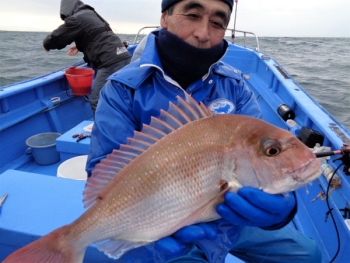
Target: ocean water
<point x="320" y="65"/>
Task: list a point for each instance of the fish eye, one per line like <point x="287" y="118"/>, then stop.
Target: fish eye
<point x="272" y="151"/>
<point x="271" y="147"/>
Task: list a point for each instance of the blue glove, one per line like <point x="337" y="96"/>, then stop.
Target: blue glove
<point x="253" y="207"/>
<point x="180" y="242"/>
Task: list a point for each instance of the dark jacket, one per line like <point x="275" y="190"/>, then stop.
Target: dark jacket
<point x="92" y="36"/>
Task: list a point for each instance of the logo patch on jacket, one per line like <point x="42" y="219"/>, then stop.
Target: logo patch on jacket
<point x="221" y="106"/>
<point x="121" y="50"/>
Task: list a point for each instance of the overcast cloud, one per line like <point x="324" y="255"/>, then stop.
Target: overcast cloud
<point x="298" y="18"/>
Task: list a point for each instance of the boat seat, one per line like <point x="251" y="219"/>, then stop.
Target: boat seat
<point x="68" y="147"/>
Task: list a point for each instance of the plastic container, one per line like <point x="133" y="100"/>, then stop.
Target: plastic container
<point x="73" y="168"/>
<point x="80" y="80"/>
<point x="328" y="172"/>
<point x="43" y="148"/>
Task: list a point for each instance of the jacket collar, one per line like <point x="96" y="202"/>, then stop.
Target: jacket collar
<point x="150" y="55"/>
<point x="150" y="58"/>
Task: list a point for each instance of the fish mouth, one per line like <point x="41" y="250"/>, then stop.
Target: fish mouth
<point x="297" y="178"/>
<point x="307" y="172"/>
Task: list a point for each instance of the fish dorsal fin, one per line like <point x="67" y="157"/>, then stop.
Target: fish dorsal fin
<point x="187" y="110"/>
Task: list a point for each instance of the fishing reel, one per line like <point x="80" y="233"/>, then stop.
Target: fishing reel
<point x="344" y="158"/>
<point x="311" y="138"/>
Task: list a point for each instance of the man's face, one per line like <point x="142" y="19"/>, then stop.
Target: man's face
<point x="201" y="23"/>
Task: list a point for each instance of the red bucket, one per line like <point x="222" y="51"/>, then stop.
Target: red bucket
<point x="80" y="80"/>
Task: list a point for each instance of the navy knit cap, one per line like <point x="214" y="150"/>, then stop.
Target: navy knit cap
<point x="168" y="3"/>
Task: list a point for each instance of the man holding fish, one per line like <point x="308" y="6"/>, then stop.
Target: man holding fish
<point x="184" y="57"/>
<point x="197" y="181"/>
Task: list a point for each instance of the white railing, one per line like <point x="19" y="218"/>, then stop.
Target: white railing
<point x="138" y="33"/>
<point x="245" y="33"/>
<point x="233" y="31"/>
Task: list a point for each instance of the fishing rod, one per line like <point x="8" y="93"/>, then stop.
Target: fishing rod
<point x="332" y="216"/>
<point x="344" y="158"/>
<point x="234" y="23"/>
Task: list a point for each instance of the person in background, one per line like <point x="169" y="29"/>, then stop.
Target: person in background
<point x="92" y="35"/>
<point x="184" y="56"/>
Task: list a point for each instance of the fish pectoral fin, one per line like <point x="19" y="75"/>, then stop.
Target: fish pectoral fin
<point x="234" y="185"/>
<point x="114" y="248"/>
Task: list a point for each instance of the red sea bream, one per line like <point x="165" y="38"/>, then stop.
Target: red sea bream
<point x="172" y="174"/>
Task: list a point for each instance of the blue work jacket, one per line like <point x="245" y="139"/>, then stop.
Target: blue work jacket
<point x="140" y="90"/>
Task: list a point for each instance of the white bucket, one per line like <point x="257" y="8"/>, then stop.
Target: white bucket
<point x="73" y="168"/>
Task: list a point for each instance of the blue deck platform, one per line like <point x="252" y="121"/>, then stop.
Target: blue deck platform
<point x="68" y="147"/>
<point x="34" y="208"/>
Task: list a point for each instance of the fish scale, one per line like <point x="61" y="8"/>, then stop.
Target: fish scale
<point x="179" y="180"/>
<point x="171" y="174"/>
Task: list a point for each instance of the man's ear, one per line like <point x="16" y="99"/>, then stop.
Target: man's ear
<point x="164" y="20"/>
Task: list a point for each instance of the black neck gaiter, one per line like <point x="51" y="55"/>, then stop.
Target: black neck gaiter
<point x="183" y="62"/>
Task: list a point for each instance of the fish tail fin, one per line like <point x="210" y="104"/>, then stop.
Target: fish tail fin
<point x="53" y="248"/>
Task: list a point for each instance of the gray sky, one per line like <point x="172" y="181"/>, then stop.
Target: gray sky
<point x="298" y="18"/>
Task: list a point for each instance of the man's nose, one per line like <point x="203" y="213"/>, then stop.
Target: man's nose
<point x="202" y="31"/>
